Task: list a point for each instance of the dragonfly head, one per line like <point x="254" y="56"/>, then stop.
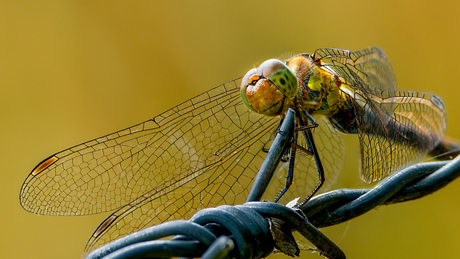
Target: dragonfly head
<point x="266" y="88"/>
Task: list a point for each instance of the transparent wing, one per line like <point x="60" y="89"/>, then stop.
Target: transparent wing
<point x="331" y="150"/>
<point x="154" y="158"/>
<point x="395" y="128"/>
<point x="226" y="181"/>
<point x="391" y="142"/>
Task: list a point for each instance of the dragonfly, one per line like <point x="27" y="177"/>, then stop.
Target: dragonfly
<point x="206" y="151"/>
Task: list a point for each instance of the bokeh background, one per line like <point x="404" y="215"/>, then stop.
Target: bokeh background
<point x="71" y="71"/>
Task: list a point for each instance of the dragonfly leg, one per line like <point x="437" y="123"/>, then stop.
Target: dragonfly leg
<point x="312" y="120"/>
<point x="311" y="125"/>
<point x="286" y="155"/>
<point x="308" y="135"/>
<point x="305" y="127"/>
<point x="290" y="174"/>
<point x="302" y="128"/>
<point x="312" y="149"/>
<point x="308" y="152"/>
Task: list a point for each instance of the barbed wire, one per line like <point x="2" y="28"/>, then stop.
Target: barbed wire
<point x="255" y="229"/>
<point x="411" y="183"/>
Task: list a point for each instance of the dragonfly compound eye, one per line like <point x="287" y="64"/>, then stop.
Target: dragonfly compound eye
<point x="264" y="89"/>
<point x="281" y="75"/>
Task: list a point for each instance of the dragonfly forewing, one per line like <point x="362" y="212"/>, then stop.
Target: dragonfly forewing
<point x="108" y="172"/>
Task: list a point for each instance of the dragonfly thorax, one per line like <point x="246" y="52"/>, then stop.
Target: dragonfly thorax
<point x="319" y="89"/>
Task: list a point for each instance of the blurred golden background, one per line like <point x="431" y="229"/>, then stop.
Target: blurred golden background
<point x="74" y="71"/>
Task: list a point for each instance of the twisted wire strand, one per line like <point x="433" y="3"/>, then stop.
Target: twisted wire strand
<point x="411" y="183"/>
<point x="244" y="231"/>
